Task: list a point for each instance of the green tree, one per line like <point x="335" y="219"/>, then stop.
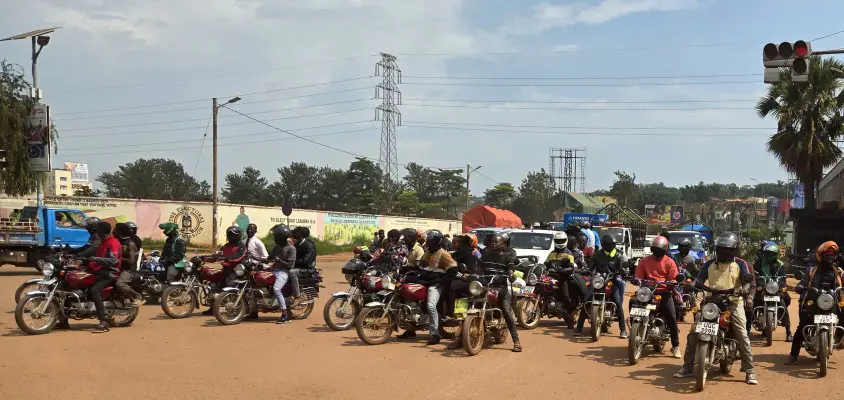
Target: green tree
<point x="85" y="191"/>
<point x="624" y="188"/>
<point x="155" y="178"/>
<point x="295" y="186"/>
<point x="535" y="197"/>
<point x="364" y="180"/>
<point x="331" y="189"/>
<point x="407" y="203"/>
<point x="809" y="121"/>
<point x="246" y="188"/>
<point x="501" y="195"/>
<point x="15" y="108"/>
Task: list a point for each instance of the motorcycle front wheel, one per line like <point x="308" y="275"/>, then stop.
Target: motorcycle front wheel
<point x="768" y="332"/>
<point x="226" y="311"/>
<point x="178" y="301"/>
<point x="701" y="365"/>
<point x="635" y="343"/>
<point x="42" y="322"/>
<point x="373" y="326"/>
<point x="340" y="312"/>
<point x="528" y="313"/>
<point x="596" y="322"/>
<point x="473" y="335"/>
<point x="124" y="319"/>
<point x="823" y="353"/>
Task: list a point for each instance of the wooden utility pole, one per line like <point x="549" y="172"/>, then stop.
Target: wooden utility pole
<point x="214" y="195"/>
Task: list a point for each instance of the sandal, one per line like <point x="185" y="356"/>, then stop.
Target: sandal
<point x="517" y="347"/>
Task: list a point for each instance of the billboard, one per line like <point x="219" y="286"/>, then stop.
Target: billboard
<point x="568" y="218"/>
<point x="38" y="136"/>
<point x="663" y="215"/>
<point x="799" y="196"/>
<point x="78" y="171"/>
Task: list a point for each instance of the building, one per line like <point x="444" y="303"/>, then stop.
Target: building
<point x="58" y="183"/>
<point x="831" y="187"/>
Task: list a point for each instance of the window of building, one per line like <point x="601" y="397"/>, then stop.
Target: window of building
<point x="63" y="187"/>
<point x="63" y="178"/>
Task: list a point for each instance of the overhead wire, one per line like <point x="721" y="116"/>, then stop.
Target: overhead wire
<point x="550" y="78"/>
<point x="522" y="131"/>
<point x="675" y="128"/>
<point x="574" y="109"/>
<point x="576" y="84"/>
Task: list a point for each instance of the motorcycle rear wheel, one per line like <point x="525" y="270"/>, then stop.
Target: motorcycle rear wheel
<point x="302" y="311"/>
<point x="124" y="320"/>
<point x="350" y="312"/>
<point x="386" y="325"/>
<point x="701" y="369"/>
<point x="823" y="353"/>
<point x="25" y="288"/>
<point x="768" y="332"/>
<point x="178" y="292"/>
<point x="528" y="321"/>
<point x="473" y="335"/>
<point x="51" y="312"/>
<point x="220" y="308"/>
<point x="635" y="343"/>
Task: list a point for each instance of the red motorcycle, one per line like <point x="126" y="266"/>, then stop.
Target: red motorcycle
<point x="198" y="286"/>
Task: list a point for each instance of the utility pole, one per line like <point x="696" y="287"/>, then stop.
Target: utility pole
<point x="214" y="111"/>
<point x="390" y="117"/>
<point x="468" y="174"/>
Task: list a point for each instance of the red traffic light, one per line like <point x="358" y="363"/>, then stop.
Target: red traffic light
<point x="801" y="49"/>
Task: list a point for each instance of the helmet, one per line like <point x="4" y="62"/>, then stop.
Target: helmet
<point x="233" y="234"/>
<point x="168" y="228"/>
<point x="771" y="248"/>
<point x="121" y="230"/>
<point x="433" y="238"/>
<point x="684" y="242"/>
<point x="103" y="228"/>
<point x="251" y="230"/>
<point x="133" y="228"/>
<point x="661" y="242"/>
<point x="608" y="242"/>
<point x="410" y="236"/>
<point x="560" y="240"/>
<point x="90" y="224"/>
<point x="827" y="252"/>
<point x="280" y="234"/>
<point x="473" y="239"/>
<point x="726" y="246"/>
<point x="394" y="235"/>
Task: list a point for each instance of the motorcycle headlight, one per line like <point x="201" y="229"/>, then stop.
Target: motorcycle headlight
<point x="598" y="282"/>
<point x="532" y="279"/>
<point x="188" y="267"/>
<point x="386" y="281"/>
<point x="825" y="301"/>
<point x="47" y="269"/>
<point x="644" y="295"/>
<point x="349" y="278"/>
<point x="710" y="311"/>
<point x="772" y="287"/>
<point x="239" y="270"/>
<point x="476" y="289"/>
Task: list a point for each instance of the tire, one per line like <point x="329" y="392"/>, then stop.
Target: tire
<point x="25" y="288"/>
<point x="452" y="333"/>
<point x="635" y="345"/>
<point x="352" y="309"/>
<point x="768" y="332"/>
<point x="701" y="369"/>
<point x="823" y="353"/>
<point x="302" y="311"/>
<point x="726" y="364"/>
<point x="525" y="321"/>
<point x="596" y="322"/>
<point x="473" y="335"/>
<point x="165" y="300"/>
<point x="52" y="308"/>
<point x="360" y="325"/>
<point x="219" y="303"/>
<point x="122" y="323"/>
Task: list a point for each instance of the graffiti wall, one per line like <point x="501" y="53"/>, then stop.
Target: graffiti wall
<point x="195" y="220"/>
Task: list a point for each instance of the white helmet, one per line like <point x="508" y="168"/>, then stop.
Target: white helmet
<point x="560" y="240"/>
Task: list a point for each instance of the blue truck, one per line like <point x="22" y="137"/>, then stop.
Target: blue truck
<point x="31" y="236"/>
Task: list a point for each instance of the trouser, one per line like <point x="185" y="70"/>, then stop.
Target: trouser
<point x="616" y="296"/>
<point x="231" y="276"/>
<point x="505" y="301"/>
<point x="669" y="315"/>
<point x="103" y="281"/>
<point x="458" y="290"/>
<point x="738" y="326"/>
<point x="280" y="279"/>
<point x="293" y="274"/>
<point x="173" y="273"/>
<point x="126" y="277"/>
<point x="434" y="293"/>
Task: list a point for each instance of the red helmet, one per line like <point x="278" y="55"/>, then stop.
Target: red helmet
<point x="660" y="242"/>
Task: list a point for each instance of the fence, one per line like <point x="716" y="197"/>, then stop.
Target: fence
<point x="196" y="218"/>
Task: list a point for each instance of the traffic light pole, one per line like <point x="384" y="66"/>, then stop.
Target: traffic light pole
<point x="824" y="52"/>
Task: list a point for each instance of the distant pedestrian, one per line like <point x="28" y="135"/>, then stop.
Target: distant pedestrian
<point x="242" y="222"/>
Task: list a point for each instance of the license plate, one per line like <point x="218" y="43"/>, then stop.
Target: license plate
<point x="651" y="306"/>
<point x="826" y="319"/>
<point x="639" y="312"/>
<point x="529" y="289"/>
<point x="707" y="328"/>
<point x="772" y="298"/>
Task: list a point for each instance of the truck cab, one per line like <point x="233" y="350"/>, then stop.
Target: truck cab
<point x="630" y="240"/>
<point x="25" y="240"/>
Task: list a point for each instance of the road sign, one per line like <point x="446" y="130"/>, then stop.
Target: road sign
<point x="287" y="209"/>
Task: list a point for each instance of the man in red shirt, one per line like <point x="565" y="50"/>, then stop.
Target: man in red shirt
<point x="106" y="266"/>
<point x="659" y="267"/>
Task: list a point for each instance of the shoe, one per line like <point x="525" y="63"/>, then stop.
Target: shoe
<point x="296" y="301"/>
<point x="139" y="301"/>
<point x="101" y="328"/>
<point x="209" y="311"/>
<point x="623" y="335"/>
<point x="407" y="335"/>
<point x="578" y="332"/>
<point x="682" y="373"/>
<point x="62" y="325"/>
<point x="283" y="319"/>
<point x="789" y="338"/>
<point x="517" y="347"/>
<point x="434" y="339"/>
<point x="791" y="360"/>
<point x="252" y="316"/>
<point x="455" y="345"/>
<point x="675" y="352"/>
<point x="750" y="379"/>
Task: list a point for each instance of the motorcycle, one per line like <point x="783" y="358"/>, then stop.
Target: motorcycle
<point x="820" y="336"/>
<point x="601" y="310"/>
<point x="198" y="287"/>
<point x="543" y="296"/>
<point x="253" y="292"/>
<point x="342" y="308"/>
<point x="715" y="342"/>
<point x="399" y="304"/>
<point x="484" y="319"/>
<point x="153" y="277"/>
<point x="646" y="325"/>
<point x="64" y="292"/>
<point x="768" y="315"/>
<point x="32" y="284"/>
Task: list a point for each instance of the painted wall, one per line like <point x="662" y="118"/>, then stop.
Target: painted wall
<point x="196" y="219"/>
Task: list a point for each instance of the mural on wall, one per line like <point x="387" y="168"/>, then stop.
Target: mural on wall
<point x="343" y="228"/>
<point x="190" y="221"/>
<point x="423" y="224"/>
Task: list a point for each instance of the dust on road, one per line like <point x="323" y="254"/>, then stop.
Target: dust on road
<point x="196" y="358"/>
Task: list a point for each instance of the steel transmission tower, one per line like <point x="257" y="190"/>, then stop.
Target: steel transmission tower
<point x="390" y="116"/>
<point x="565" y="171"/>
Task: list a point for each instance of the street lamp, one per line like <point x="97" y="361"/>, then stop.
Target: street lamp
<point x="215" y="111"/>
<point x="468" y="173"/>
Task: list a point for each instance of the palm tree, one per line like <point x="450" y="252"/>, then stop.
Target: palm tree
<point x="808" y="121"/>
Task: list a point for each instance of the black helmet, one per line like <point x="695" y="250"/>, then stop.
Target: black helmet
<point x="434" y="238"/>
<point x="133" y="228"/>
<point x="103" y="228"/>
<point x="394" y="235"/>
<point x="90" y="224"/>
<point x="121" y="230"/>
<point x="685" y="242"/>
<point x="607" y="242"/>
<point x="280" y="235"/>
<point x="410" y="235"/>
<point x="233" y="234"/>
<point x="251" y="230"/>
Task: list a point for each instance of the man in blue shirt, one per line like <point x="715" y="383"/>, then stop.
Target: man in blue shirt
<point x="592" y="240"/>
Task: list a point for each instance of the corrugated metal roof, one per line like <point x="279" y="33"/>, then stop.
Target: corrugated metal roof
<point x="588" y="203"/>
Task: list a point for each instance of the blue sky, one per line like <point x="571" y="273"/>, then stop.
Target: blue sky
<point x="121" y="54"/>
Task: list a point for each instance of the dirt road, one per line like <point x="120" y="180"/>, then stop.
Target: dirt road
<point x="196" y="358"/>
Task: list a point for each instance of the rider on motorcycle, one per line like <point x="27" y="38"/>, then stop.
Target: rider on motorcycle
<point x="233" y="253"/>
<point x="467" y="262"/>
<point x="499" y="252"/>
<point x="826" y="272"/>
<point x="255" y="249"/>
<point x="658" y="267"/>
<point x="684" y="258"/>
<point x="283" y="259"/>
<point x="561" y="250"/>
<point x="89" y="248"/>
<point x="724" y="272"/>
<point x="473" y="244"/>
<point x="305" y="260"/>
<point x="105" y="265"/>
<point x="412" y="247"/>
<point x="173" y="253"/>
<point x="133" y="231"/>
<point x="769" y="266"/>
<point x="128" y="263"/>
<point x="573" y="244"/>
<point x="609" y="260"/>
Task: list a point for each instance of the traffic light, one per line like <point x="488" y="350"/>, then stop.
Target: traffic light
<point x="787" y="55"/>
<point x="800" y="65"/>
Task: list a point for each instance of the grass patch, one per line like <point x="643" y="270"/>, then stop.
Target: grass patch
<point x="324" y="248"/>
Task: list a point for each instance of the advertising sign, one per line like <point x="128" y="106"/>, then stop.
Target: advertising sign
<point x="568" y="218"/>
<point x="78" y="171"/>
<point x="676" y="214"/>
<point x="799" y="196"/>
<point x="38" y="136"/>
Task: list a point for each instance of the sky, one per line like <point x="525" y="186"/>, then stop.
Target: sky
<point x="664" y="89"/>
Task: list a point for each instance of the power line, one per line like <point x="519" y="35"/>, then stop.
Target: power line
<point x="577" y="109"/>
<point x="591" y="50"/>
<point x="826" y="36"/>
<point x="702" y="128"/>
<point x="582" y="101"/>
<point x="484" y="176"/>
<point x="588" y="133"/>
<point x="201" y="145"/>
<point x="580" y="78"/>
<point x="200" y="127"/>
<point x="576" y="84"/>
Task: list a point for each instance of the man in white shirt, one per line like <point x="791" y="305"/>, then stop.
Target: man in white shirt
<point x="255" y="249"/>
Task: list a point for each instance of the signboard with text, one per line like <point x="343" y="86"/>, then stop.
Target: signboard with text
<point x="37" y="135"/>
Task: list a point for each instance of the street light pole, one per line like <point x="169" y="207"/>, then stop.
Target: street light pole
<point x="468" y="174"/>
<point x="215" y="220"/>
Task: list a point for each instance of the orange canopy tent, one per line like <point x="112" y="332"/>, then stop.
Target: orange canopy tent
<point x="482" y="216"/>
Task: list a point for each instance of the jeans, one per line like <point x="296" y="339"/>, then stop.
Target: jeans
<point x="94" y="291"/>
<point x="280" y="279"/>
<point x="617" y="297"/>
<point x="231" y="276"/>
<point x="126" y="277"/>
<point x="669" y="315"/>
<point x="173" y="273"/>
<point x="738" y="326"/>
<point x="294" y="281"/>
<point x="434" y="293"/>
<point x="506" y="303"/>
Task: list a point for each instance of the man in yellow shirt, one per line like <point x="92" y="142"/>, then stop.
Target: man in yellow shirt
<point x="725" y="272"/>
<point x="414" y="249"/>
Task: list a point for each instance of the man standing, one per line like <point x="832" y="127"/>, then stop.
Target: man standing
<point x="242" y="221"/>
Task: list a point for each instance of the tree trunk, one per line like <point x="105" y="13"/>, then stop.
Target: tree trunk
<point x="809" y="202"/>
